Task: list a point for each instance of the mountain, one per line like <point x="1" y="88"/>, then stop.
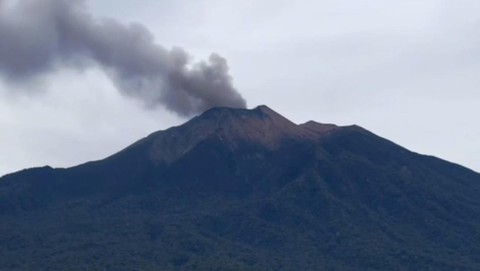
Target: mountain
<point x="237" y="189"/>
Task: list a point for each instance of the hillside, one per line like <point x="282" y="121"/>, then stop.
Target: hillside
<point x="237" y="189"/>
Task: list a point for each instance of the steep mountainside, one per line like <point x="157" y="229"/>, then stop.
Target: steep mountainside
<point x="237" y="189"/>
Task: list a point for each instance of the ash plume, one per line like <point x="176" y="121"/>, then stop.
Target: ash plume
<point x="39" y="36"/>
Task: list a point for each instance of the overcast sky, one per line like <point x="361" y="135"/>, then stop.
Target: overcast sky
<point x="405" y="70"/>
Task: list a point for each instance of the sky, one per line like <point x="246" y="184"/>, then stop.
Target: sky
<point x="405" y="70"/>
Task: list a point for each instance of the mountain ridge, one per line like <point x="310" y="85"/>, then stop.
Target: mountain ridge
<point x="238" y="189"/>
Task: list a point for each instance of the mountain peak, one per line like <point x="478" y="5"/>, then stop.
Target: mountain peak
<point x="261" y="111"/>
<point x="266" y="110"/>
<point x="237" y="122"/>
<point x="259" y="126"/>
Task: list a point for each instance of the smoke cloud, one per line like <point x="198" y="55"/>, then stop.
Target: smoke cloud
<point x="39" y="36"/>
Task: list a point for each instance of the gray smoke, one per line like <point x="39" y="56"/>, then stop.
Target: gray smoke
<point x="39" y="36"/>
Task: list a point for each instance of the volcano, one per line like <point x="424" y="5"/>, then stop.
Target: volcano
<point x="238" y="189"/>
